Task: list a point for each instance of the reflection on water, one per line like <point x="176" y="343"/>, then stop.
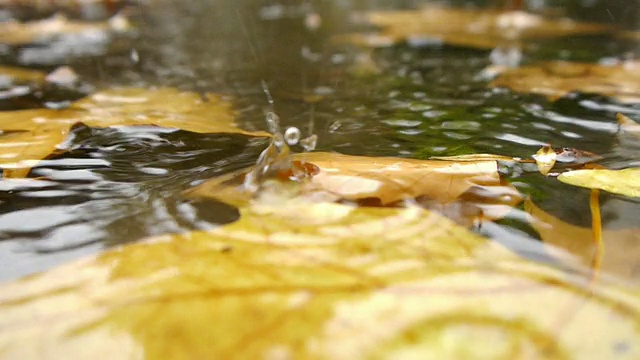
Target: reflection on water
<point x="418" y="100"/>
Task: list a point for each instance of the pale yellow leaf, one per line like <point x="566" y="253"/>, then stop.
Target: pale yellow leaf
<point x="624" y="182"/>
<point x="557" y="79"/>
<point x="325" y="281"/>
<point x="477" y="28"/>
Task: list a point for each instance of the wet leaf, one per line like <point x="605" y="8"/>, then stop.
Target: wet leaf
<point x="620" y="246"/>
<point x="386" y="180"/>
<point x="624" y="182"/>
<point x="557" y="79"/>
<point x="47" y="30"/>
<point x="484" y="29"/>
<point x="15" y="75"/>
<point x="325" y="281"/>
<point x="545" y="159"/>
<point x="477" y="157"/>
<point x="31" y="135"/>
<point x="627" y="124"/>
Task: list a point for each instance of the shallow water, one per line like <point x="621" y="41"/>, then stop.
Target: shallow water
<point x="422" y="100"/>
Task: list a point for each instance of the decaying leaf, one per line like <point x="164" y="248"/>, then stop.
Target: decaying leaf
<point x="621" y="246"/>
<point x="624" y="182"/>
<point x="324" y="281"/>
<point x="484" y="29"/>
<point x="559" y="78"/>
<point x="42" y="31"/>
<point x="31" y="135"/>
<point x="386" y="180"/>
<point x="627" y="124"/>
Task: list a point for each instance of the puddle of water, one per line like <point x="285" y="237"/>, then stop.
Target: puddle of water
<point x="422" y="100"/>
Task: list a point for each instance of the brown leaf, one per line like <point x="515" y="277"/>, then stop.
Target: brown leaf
<point x="385" y="181"/>
<point x="31" y="135"/>
<point x="621" y="246"/>
<point x="484" y="29"/>
<point x="557" y="79"/>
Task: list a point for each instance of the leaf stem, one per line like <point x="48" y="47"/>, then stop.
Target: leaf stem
<point x="596" y="227"/>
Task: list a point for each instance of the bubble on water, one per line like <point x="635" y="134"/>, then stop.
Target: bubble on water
<point x="335" y="126"/>
<point x="292" y="135"/>
<point x="273" y="122"/>
<point x="309" y="143"/>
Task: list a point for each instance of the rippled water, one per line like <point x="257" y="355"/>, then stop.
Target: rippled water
<point x="118" y="185"/>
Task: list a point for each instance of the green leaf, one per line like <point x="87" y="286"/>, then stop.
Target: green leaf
<point x="297" y="280"/>
<point x="624" y="182"/>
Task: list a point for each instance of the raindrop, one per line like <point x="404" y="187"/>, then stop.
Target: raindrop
<point x="292" y="135"/>
<point x="278" y="140"/>
<point x="273" y="122"/>
<point x="309" y="143"/>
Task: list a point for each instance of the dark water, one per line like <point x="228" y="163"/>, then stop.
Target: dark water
<point x="118" y="185"/>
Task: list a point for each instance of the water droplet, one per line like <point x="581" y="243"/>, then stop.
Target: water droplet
<point x="292" y="135"/>
<point x="309" y="143"/>
<point x="278" y="140"/>
<point x="273" y="122"/>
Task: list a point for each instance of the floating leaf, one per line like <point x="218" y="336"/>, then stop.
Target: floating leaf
<point x="624" y="182"/>
<point x="477" y="157"/>
<point x="621" y="246"/>
<point x="626" y="124"/>
<point x="484" y="29"/>
<point x="386" y="180"/>
<point x="42" y="31"/>
<point x="557" y="79"/>
<point x="30" y="135"/>
<point x="325" y="281"/>
<point x="15" y="75"/>
<point x="545" y="159"/>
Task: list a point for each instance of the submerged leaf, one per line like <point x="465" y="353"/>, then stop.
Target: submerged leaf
<point x="621" y="246"/>
<point x="484" y="29"/>
<point x="557" y="79"/>
<point x="624" y="182"/>
<point x="31" y="135"/>
<point x="323" y="281"/>
<point x="385" y="181"/>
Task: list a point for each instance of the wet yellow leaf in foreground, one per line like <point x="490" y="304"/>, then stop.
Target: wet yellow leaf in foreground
<point x="388" y="180"/>
<point x="557" y="79"/>
<point x="322" y="281"/>
<point x="484" y="29"/>
<point x="623" y="182"/>
<point x="31" y="135"/>
<point x="621" y="246"/>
